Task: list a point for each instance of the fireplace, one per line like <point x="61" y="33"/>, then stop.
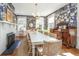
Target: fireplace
<point x="10" y="39"/>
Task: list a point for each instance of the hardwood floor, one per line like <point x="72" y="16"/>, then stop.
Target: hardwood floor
<point x="22" y="51"/>
<point x="70" y="50"/>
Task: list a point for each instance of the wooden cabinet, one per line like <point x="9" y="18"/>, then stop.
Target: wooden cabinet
<point x="67" y="39"/>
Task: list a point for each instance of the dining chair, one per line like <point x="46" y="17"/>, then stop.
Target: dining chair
<point x="39" y="50"/>
<point x="49" y="49"/>
<point x="53" y="35"/>
<point x="52" y="48"/>
<point x="29" y="45"/>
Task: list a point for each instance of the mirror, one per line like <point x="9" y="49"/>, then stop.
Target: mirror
<point x="31" y="25"/>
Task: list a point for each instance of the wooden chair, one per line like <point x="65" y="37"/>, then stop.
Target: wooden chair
<point x="29" y="44"/>
<point x="39" y="50"/>
<point x="53" y="35"/>
<point x="53" y="48"/>
<point x="50" y="49"/>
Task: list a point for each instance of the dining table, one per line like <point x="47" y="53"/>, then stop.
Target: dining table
<point x="38" y="38"/>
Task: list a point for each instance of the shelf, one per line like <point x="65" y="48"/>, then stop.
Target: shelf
<point x="7" y="13"/>
<point x="7" y="22"/>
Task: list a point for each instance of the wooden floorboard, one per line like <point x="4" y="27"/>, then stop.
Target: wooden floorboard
<point x="71" y="50"/>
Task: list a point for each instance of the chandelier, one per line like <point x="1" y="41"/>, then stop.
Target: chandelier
<point x="35" y="12"/>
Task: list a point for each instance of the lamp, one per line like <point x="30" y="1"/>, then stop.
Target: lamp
<point x="35" y="13"/>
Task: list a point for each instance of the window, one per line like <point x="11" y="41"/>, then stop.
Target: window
<point x="51" y="21"/>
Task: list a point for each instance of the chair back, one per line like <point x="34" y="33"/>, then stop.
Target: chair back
<point x="29" y="45"/>
<point x="52" y="48"/>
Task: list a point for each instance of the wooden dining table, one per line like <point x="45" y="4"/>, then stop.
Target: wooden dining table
<point x="39" y="38"/>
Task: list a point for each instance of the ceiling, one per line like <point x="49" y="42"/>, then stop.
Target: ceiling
<point x="43" y="9"/>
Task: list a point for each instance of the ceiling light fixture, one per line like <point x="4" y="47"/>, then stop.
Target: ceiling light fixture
<point x="35" y="12"/>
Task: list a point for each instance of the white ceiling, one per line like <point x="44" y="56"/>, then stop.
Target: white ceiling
<point x="43" y="8"/>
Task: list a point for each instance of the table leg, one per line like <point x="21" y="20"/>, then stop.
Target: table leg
<point x="33" y="50"/>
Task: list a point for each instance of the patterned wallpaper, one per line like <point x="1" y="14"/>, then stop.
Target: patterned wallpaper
<point x="32" y="20"/>
<point x="67" y="14"/>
